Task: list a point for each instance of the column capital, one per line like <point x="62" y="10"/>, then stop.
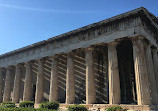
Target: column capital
<point x="154" y="50"/>
<point x="41" y="60"/>
<point x="9" y="68"/>
<point x="29" y="63"/>
<point x="115" y="43"/>
<point x="89" y="49"/>
<point x="54" y="60"/>
<point x="70" y="54"/>
<point x="148" y="44"/>
<point x="78" y="50"/>
<point x="2" y="69"/>
<point x="54" y="56"/>
<point x="134" y="39"/>
<point x="19" y="65"/>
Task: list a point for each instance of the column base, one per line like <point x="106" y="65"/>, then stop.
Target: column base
<point x="36" y="105"/>
<point x="102" y="107"/>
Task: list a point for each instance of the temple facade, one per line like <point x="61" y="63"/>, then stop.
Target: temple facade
<point x="114" y="61"/>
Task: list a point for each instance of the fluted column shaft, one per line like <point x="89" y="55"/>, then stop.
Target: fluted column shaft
<point x="53" y="95"/>
<point x="7" y="87"/>
<point x="16" y="89"/>
<point x="70" y="80"/>
<point x="28" y="88"/>
<point x="151" y="74"/>
<point x="141" y="76"/>
<point x="1" y="86"/>
<point x="40" y="82"/>
<point x="155" y="61"/>
<point x="90" y="77"/>
<point x="114" y="80"/>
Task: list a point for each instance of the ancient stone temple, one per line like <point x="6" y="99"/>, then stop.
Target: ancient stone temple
<point x="114" y="61"/>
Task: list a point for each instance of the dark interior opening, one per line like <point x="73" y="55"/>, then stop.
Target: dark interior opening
<point x="62" y="67"/>
<point x="126" y="72"/>
<point x="101" y="74"/>
<point x="34" y="93"/>
<point x="80" y="78"/>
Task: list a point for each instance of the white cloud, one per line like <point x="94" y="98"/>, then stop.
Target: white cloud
<point x="47" y="10"/>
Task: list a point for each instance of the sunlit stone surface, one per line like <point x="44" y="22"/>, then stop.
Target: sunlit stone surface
<point x="114" y="61"/>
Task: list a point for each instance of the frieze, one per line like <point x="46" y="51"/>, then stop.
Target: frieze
<point x="149" y="29"/>
<point x="73" y="39"/>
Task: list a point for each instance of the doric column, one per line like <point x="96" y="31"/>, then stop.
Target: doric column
<point x="114" y="80"/>
<point x="1" y="86"/>
<point x="53" y="95"/>
<point x="16" y="89"/>
<point x="155" y="61"/>
<point x="28" y="83"/>
<point x="70" y="80"/>
<point x="40" y="82"/>
<point x="151" y="74"/>
<point x="7" y="87"/>
<point x="141" y="76"/>
<point x="90" y="77"/>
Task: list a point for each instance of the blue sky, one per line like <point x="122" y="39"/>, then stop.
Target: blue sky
<point x="24" y="22"/>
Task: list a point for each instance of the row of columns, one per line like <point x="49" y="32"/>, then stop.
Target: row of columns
<point x="146" y="69"/>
